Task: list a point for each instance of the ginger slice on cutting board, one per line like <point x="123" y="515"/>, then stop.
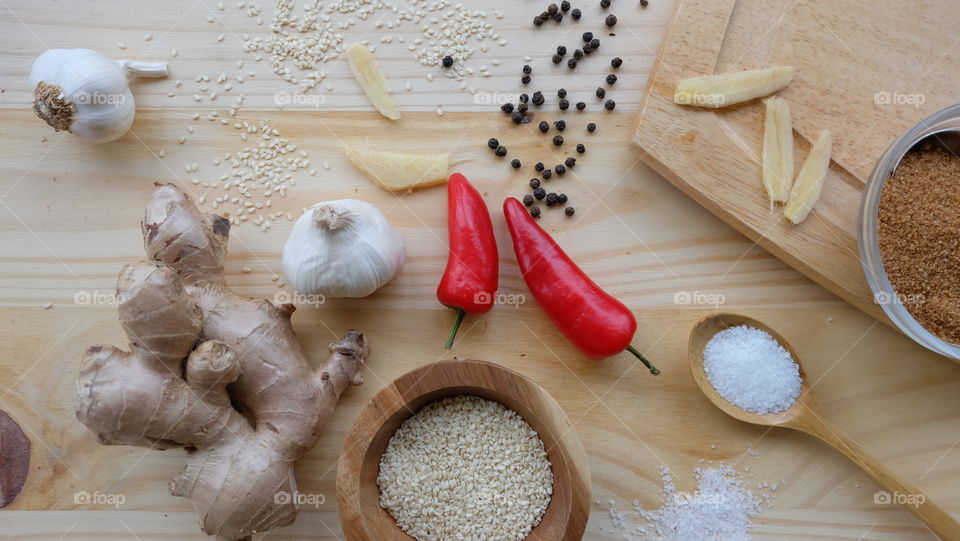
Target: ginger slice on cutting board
<point x="372" y="80"/>
<point x="806" y="190"/>
<point x="777" y="150"/>
<point x="721" y="90"/>
<point x="398" y="172"/>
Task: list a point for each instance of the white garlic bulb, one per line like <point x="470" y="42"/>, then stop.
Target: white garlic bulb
<point x="86" y="93"/>
<point x="343" y="248"/>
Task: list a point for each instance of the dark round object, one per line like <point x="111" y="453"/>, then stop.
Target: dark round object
<point x="591" y="127"/>
<point x="507" y="107"/>
<point x="557" y="140"/>
<point x="571" y="162"/>
<point x="538" y="21"/>
<point x="525" y="79"/>
<point x="611" y="20"/>
<point x="578" y="54"/>
<point x="560" y="125"/>
<point x="564" y="6"/>
<point x="552" y="8"/>
<point x="572" y="63"/>
<point x="547" y="174"/>
<point x="564" y="104"/>
<point x="611" y="79"/>
<point x="609" y="105"/>
<point x="561" y="50"/>
<point x="587" y="36"/>
<point x="581" y="149"/>
<point x="557" y="59"/>
<point x="522" y="107"/>
<point x="595" y="43"/>
<point x="539" y="193"/>
<point x="527" y="69"/>
<point x="517" y="117"/>
<point x="515" y="163"/>
<point x="601" y="92"/>
<point x="587" y="49"/>
<point x="535" y="212"/>
<point x="576" y="14"/>
<point x="551" y="199"/>
<point x="501" y="151"/>
<point x="561" y="198"/>
<point x="616" y="62"/>
<point x="527" y="200"/>
<point x="562" y="93"/>
<point x="447" y="61"/>
<point x="493" y="143"/>
<point x="604" y="4"/>
<point x="538" y="98"/>
<point x="581" y="106"/>
<point x="569" y="211"/>
<point x="558" y="17"/>
<point x="560" y="169"/>
<point x="534" y="183"/>
<point x="524" y="98"/>
<point x="544" y="126"/>
<point x="539" y="167"/>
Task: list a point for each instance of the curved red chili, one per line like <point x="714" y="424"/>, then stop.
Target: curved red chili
<point x="596" y="323"/>
<point x="469" y="282"/>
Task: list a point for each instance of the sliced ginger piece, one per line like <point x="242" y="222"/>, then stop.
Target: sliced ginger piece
<point x="398" y="172"/>
<point x="777" y="150"/>
<point x="715" y="91"/>
<point x="806" y="190"/>
<point x="372" y="80"/>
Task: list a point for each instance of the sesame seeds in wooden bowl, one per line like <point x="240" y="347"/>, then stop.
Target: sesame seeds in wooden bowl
<point x="358" y="494"/>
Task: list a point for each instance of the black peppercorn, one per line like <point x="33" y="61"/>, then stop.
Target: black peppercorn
<point x="557" y="59"/>
<point x="604" y="4"/>
<point x="611" y="79"/>
<point x="576" y="14"/>
<point x="562" y="93"/>
<point x="561" y="198"/>
<point x="564" y="104"/>
<point x="534" y="183"/>
<point x="578" y="54"/>
<point x="493" y="143"/>
<point x="539" y="167"/>
<point x="527" y="200"/>
<point x="547" y="174"/>
<point x="561" y="50"/>
<point x="558" y="17"/>
<point x="561" y="125"/>
<point x="524" y="98"/>
<point x="568" y="211"/>
<point x="587" y="36"/>
<point x="609" y="105"/>
<point x="581" y="149"/>
<point x="572" y="63"/>
<point x="591" y="127"/>
<point x="539" y="193"/>
<point x="525" y="79"/>
<point x="544" y="126"/>
<point x="538" y="21"/>
<point x="601" y="92"/>
<point x="535" y="212"/>
<point x="595" y="43"/>
<point x="557" y="140"/>
<point x="447" y="61"/>
<point x="611" y="20"/>
<point x="517" y="117"/>
<point x="571" y="162"/>
<point x="551" y="199"/>
<point x="501" y="151"/>
<point x="587" y="49"/>
<point x="552" y="8"/>
<point x="560" y="169"/>
<point x="527" y="69"/>
<point x="581" y="106"/>
<point x="507" y="107"/>
<point x="515" y="163"/>
<point x="616" y="62"/>
<point x="538" y="98"/>
<point x="564" y="6"/>
<point x="644" y="3"/>
<point x="522" y="107"/>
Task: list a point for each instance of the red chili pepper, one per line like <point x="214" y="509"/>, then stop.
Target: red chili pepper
<point x="596" y="323"/>
<point x="470" y="281"/>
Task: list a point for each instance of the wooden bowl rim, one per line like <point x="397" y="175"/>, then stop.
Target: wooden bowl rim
<point x="567" y="456"/>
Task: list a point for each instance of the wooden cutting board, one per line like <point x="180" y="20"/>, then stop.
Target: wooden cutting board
<point x="865" y="71"/>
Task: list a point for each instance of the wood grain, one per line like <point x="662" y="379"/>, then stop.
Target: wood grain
<point x="69" y="219"/>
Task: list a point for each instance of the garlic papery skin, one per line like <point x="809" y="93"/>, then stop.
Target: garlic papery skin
<point x="343" y="248"/>
<point x="86" y="93"/>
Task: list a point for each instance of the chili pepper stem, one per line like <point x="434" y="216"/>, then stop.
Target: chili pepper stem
<point x="456" y="327"/>
<point x="648" y="364"/>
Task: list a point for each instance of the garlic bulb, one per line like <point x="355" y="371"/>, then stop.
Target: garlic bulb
<point x="343" y="248"/>
<point x="86" y="93"/>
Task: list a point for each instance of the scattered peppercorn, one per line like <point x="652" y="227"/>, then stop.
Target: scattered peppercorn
<point x="534" y="183"/>
<point x="524" y="98"/>
<point x="578" y="54"/>
<point x="539" y="167"/>
<point x="535" y="212"/>
<point x="560" y="169"/>
<point x="611" y="79"/>
<point x="604" y="4"/>
<point x="576" y="14"/>
<point x="547" y="174"/>
<point x="561" y="50"/>
<point x="581" y="148"/>
<point x="609" y="105"/>
<point x="587" y="36"/>
<point x="527" y="69"/>
<point x="501" y="151"/>
<point x="595" y="43"/>
<point x="551" y="199"/>
<point x="552" y="8"/>
<point x="447" y="61"/>
<point x="581" y="106"/>
<point x="557" y="59"/>
<point x="538" y="21"/>
<point x="564" y="6"/>
<point x="572" y="63"/>
<point x="644" y="3"/>
<point x="507" y="107"/>
<point x="539" y="193"/>
<point x="538" y="98"/>
<point x="591" y="127"/>
<point x="562" y="93"/>
<point x="522" y="107"/>
<point x="560" y="125"/>
<point x="557" y="140"/>
<point x="587" y="49"/>
<point x="544" y="126"/>
<point x="616" y="62"/>
<point x="568" y="211"/>
<point x="525" y="79"/>
<point x="564" y="104"/>
<point x="571" y="162"/>
<point x="601" y="92"/>
<point x="611" y="20"/>
<point x="527" y="200"/>
<point x="515" y="163"/>
<point x="561" y="198"/>
<point x="493" y="143"/>
<point x="558" y="17"/>
<point x="517" y="117"/>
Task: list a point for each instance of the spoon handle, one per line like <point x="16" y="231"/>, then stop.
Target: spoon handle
<point x="899" y="491"/>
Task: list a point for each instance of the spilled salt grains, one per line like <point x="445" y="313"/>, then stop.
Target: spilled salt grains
<point x="751" y="370"/>
<point x="465" y="468"/>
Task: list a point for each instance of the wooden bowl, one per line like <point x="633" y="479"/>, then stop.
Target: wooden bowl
<point x="358" y="495"/>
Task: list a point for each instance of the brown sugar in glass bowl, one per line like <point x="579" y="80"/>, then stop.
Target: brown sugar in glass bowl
<point x="909" y="232"/>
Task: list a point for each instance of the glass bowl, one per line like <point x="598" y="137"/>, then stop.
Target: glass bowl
<point x="941" y="128"/>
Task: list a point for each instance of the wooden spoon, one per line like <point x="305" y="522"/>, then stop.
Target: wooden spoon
<point x="805" y="416"/>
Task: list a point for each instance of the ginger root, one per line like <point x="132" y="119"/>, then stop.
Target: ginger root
<point x="210" y="372"/>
